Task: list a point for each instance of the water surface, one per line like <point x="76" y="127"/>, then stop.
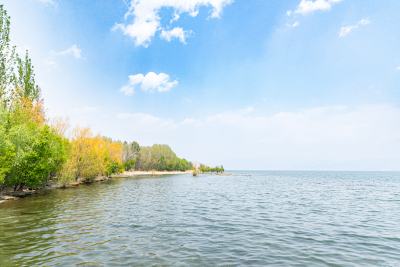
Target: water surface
<point x="276" y="218"/>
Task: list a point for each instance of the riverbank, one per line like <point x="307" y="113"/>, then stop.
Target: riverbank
<point x="157" y="173"/>
<point x="10" y="194"/>
<point x="160" y="173"/>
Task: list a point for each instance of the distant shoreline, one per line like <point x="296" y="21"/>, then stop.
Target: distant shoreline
<point x="157" y="173"/>
<point x="160" y="173"/>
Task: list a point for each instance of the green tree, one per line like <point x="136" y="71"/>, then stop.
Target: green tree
<point x="129" y="164"/>
<point x="7" y="153"/>
<point x="162" y="165"/>
<point x="171" y="165"/>
<point x="39" y="152"/>
<point x="178" y="165"/>
<point x="26" y="78"/>
<point x="7" y="58"/>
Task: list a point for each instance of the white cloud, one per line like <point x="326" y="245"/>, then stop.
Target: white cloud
<point x="364" y="22"/>
<point x="150" y="82"/>
<point x="51" y="2"/>
<point x="308" y="6"/>
<point x="323" y="125"/>
<point x="175" y="33"/>
<point x="146" y="21"/>
<point x="85" y="110"/>
<point x="148" y="122"/>
<point x="187" y="121"/>
<point x="398" y="68"/>
<point x="294" y="24"/>
<point x="50" y="62"/>
<point x="346" y="30"/>
<point x="338" y="133"/>
<point x="73" y="50"/>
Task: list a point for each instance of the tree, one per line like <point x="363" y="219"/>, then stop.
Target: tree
<point x="26" y="78"/>
<point x="129" y="164"/>
<point x="7" y="58"/>
<point x="39" y="151"/>
<point x="92" y="156"/>
<point x="162" y="165"/>
<point x="7" y="153"/>
<point x="160" y="157"/>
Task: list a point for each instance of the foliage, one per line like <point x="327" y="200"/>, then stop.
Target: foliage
<point x="38" y="153"/>
<point x="161" y="158"/>
<point x="7" y="58"/>
<point x="26" y="79"/>
<point x="128" y="165"/>
<point x="7" y="153"/>
<point x="203" y="168"/>
<point x="130" y="150"/>
<point x="93" y="156"/>
<point x="31" y="151"/>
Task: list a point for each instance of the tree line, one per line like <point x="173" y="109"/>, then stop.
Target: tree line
<point x="35" y="149"/>
<point x="203" y="168"/>
<point x="146" y="158"/>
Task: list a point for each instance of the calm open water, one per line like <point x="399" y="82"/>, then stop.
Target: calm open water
<point x="276" y="218"/>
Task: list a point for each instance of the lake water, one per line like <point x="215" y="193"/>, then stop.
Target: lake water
<point x="276" y="218"/>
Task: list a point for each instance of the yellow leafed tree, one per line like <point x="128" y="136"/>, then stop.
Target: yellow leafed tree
<point x="89" y="156"/>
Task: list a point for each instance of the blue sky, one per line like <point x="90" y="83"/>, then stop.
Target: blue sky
<point x="295" y="84"/>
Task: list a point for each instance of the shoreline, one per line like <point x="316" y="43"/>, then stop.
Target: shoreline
<point x="52" y="184"/>
<point x="160" y="173"/>
<point x="156" y="173"/>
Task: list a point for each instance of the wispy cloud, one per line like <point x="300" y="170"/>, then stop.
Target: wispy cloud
<point x="150" y="82"/>
<point x="308" y="6"/>
<point x="294" y="24"/>
<point x="327" y="132"/>
<point x="73" y="50"/>
<point x="176" y="33"/>
<point x="330" y="126"/>
<point x="398" y="68"/>
<point x="51" y="2"/>
<point x="346" y="30"/>
<point x="146" y="20"/>
<point x="50" y="62"/>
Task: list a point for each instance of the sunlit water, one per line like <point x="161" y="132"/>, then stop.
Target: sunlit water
<point x="276" y="218"/>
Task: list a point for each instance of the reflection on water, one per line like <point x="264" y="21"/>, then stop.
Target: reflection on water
<point x="280" y="218"/>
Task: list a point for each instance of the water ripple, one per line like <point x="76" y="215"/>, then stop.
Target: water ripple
<point x="270" y="218"/>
